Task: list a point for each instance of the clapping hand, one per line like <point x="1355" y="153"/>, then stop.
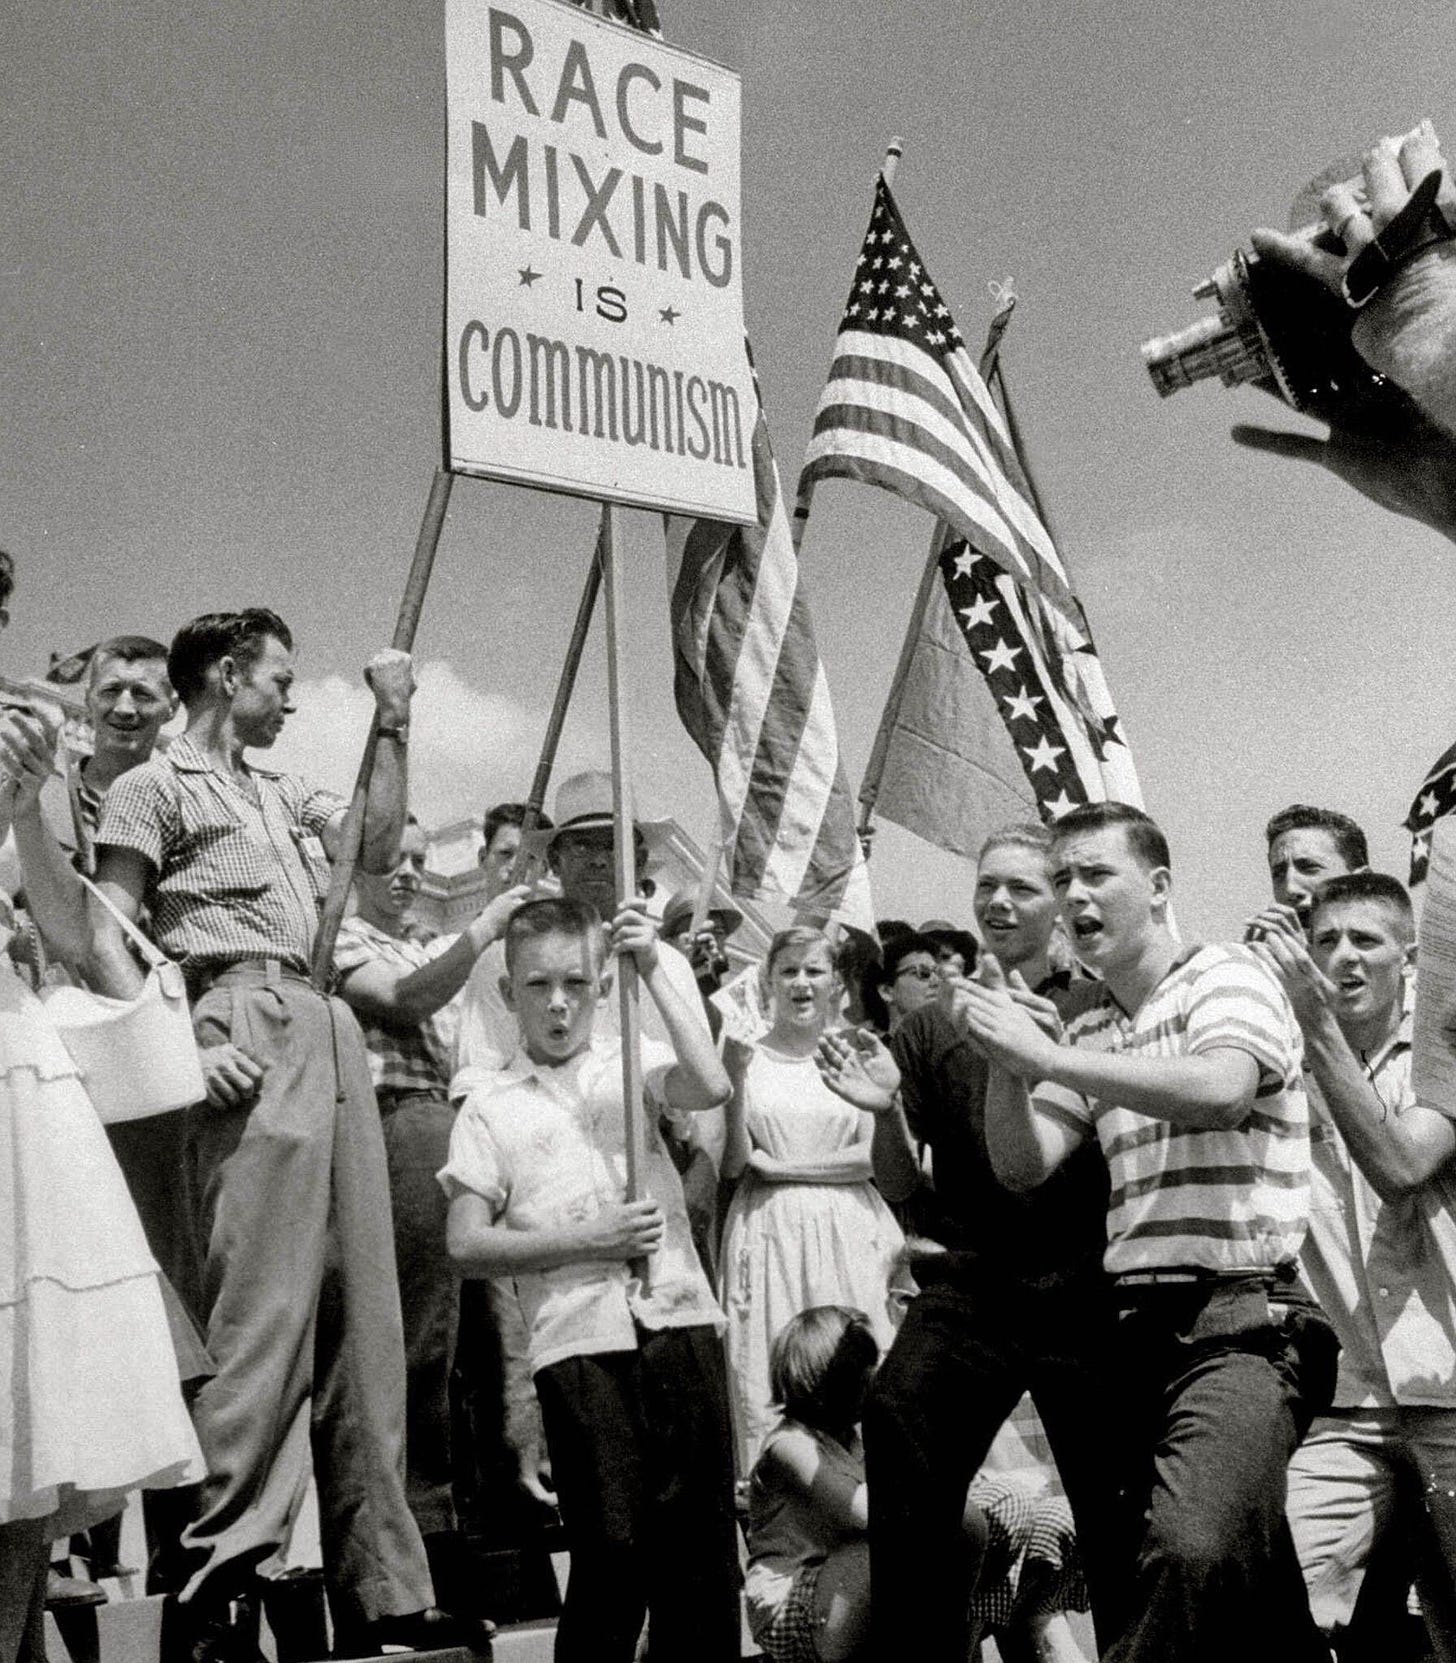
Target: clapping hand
<point x="857" y="1066"/>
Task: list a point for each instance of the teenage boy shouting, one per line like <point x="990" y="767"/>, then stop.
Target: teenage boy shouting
<point x="1186" y="1071"/>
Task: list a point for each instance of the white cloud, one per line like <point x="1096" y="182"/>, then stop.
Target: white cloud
<point x="468" y="748"/>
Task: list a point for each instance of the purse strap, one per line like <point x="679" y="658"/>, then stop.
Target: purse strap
<point x="148" y="949"/>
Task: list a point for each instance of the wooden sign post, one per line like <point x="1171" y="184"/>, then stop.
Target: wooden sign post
<point x="624" y="843"/>
<point x="351" y="836"/>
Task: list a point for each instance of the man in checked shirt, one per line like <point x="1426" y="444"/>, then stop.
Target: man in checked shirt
<point x="286" y="1174"/>
<point x="403" y="989"/>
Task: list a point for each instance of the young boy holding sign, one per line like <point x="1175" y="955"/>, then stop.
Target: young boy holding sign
<point x="629" y="1374"/>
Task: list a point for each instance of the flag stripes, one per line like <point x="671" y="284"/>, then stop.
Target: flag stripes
<point x="905" y="409"/>
<point x="754" y="698"/>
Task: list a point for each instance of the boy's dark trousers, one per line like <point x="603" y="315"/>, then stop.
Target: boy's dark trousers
<point x="1219" y="1393"/>
<point x="971" y="1344"/>
<point x="642" y="1461"/>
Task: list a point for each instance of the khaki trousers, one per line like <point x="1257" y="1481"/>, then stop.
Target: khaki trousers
<point x="291" y="1202"/>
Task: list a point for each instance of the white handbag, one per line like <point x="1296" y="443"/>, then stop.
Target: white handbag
<point x="136" y="1057"/>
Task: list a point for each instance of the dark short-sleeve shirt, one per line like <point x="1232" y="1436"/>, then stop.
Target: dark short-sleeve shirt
<point x="231" y="878"/>
<point x="1061" y="1226"/>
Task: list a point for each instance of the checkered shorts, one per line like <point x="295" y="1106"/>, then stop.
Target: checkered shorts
<point x="793" y="1635"/>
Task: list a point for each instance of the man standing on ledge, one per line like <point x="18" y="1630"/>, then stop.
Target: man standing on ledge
<point x="285" y="1161"/>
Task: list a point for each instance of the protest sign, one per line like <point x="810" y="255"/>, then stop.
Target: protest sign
<point x="594" y="336"/>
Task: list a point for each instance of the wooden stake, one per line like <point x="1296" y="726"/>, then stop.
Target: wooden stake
<point x="351" y="836"/>
<point x="623" y="838"/>
<point x="707" y="883"/>
<point x="564" y="687"/>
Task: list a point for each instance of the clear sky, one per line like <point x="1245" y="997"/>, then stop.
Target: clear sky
<point x="220" y="273"/>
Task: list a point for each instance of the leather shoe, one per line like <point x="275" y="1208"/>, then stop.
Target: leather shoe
<point x="428" y="1630"/>
<point x="64" y="1592"/>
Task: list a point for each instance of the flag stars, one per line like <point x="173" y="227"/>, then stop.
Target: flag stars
<point x="1043" y="755"/>
<point x="981" y="612"/>
<point x="1002" y="656"/>
<point x="965" y="561"/>
<point x="1021" y="706"/>
<point x="1059" y="805"/>
<point x="902" y="290"/>
<point x="1428" y="806"/>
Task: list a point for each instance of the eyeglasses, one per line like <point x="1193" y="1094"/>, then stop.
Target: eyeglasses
<point x="921" y="972"/>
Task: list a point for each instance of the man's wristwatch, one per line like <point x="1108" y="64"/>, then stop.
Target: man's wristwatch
<point x="399" y="734"/>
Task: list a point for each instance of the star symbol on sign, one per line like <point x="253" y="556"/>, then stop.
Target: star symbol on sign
<point x="964" y="561"/>
<point x="1021" y="706"/>
<point x="527" y="276"/>
<point x="1428" y="806"/>
<point x="1043" y="754"/>
<point x="1059" y="805"/>
<point x="982" y="611"/>
<point x="669" y="315"/>
<point x="1001" y="656"/>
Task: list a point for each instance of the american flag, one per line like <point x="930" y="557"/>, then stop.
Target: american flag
<point x="752" y="694"/>
<point x="1435" y="799"/>
<point x="905" y="409"/>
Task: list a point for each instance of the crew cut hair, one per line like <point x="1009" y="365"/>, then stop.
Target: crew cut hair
<point x="554" y="915"/>
<point x="1346" y="834"/>
<point x="1144" y="834"/>
<point x="818" y="1361"/>
<point x="1024" y="834"/>
<point x="1365" y="885"/>
<point x="197" y="646"/>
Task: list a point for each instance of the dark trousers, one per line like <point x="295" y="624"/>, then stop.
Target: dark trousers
<point x="1215" y="1408"/>
<point x="292" y="1204"/>
<point x="416" y="1145"/>
<point x="643" y="1464"/>
<point x="969" y="1347"/>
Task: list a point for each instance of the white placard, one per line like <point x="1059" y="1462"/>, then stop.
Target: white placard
<point x="594" y="336"/>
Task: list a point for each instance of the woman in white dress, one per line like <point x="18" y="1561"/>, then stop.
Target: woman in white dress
<point x="806" y="1226"/>
<point x="90" y="1401"/>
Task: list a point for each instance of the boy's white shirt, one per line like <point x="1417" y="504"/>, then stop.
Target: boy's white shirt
<point x="544" y="1147"/>
<point x="487" y="1036"/>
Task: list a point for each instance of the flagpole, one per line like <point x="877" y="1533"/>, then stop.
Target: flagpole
<point x="565" y="685"/>
<point x="799" y="519"/>
<point x="989" y="369"/>
<point x="351" y="835"/>
<point x="623" y="835"/>
<point x="869" y="790"/>
<point x="707" y="882"/>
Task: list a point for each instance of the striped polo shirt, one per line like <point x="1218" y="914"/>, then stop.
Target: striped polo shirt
<point x="1225" y="1201"/>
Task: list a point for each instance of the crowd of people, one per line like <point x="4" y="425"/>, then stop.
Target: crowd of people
<point x="993" y="1275"/>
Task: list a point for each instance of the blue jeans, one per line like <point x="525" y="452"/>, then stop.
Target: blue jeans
<point x="1215" y="1407"/>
